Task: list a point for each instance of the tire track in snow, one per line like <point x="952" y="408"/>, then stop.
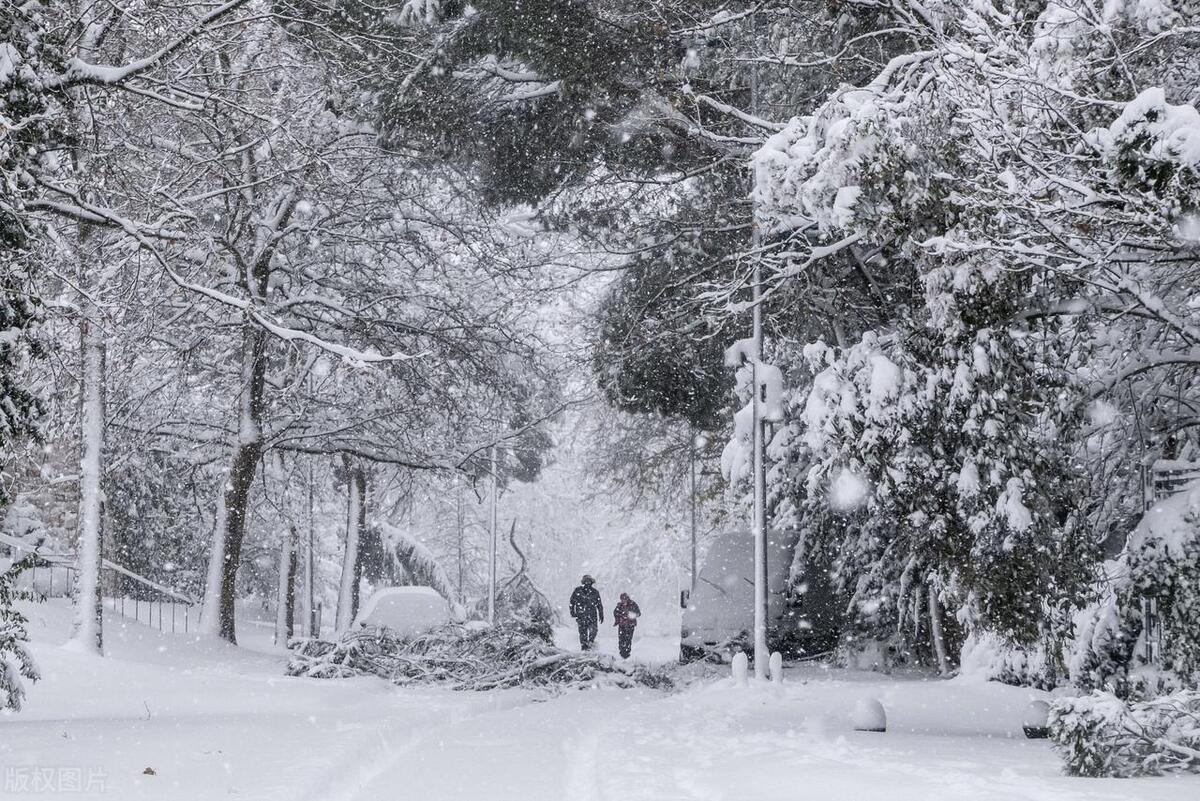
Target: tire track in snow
<point x="385" y="746"/>
<point x="583" y="774"/>
<point x="547" y="749"/>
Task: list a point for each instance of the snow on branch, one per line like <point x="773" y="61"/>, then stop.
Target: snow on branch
<point x="749" y="119"/>
<point x="418" y="560"/>
<point x="490" y="67"/>
<point x="81" y="72"/>
<point x="143" y="236"/>
<point x="1101" y="735"/>
<point x="419" y="12"/>
<point x="522" y="95"/>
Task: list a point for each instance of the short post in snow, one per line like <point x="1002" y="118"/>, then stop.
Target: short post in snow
<point x="741" y="669"/>
<point x="869" y="716"/>
<point x="776" y="668"/>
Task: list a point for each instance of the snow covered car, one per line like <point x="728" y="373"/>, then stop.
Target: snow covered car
<point x="718" y="618"/>
<point x="405" y="611"/>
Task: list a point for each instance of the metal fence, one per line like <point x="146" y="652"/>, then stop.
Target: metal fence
<point x="1169" y="476"/>
<point x="126" y="593"/>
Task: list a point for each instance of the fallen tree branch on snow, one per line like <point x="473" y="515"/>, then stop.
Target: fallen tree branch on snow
<point x="511" y="654"/>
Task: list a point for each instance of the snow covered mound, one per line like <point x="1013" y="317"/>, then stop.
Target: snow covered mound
<point x="510" y="654"/>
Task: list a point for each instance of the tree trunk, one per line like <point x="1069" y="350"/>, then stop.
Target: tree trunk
<point x="310" y="577"/>
<point x="290" y="600"/>
<point x="88" y="632"/>
<point x="458" y="515"/>
<point x="286" y="598"/>
<point x="227" y="546"/>
<point x="935" y="629"/>
<point x="210" y="617"/>
<point x="356" y="584"/>
<point x="351" y="569"/>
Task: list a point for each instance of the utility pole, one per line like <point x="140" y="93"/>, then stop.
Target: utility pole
<point x="759" y="525"/>
<point x="492" y="548"/>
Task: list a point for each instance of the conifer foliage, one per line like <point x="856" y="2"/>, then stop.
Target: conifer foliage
<point x="16" y="663"/>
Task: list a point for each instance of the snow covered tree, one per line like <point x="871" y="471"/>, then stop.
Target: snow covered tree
<point x="960" y="424"/>
<point x="16" y="663"/>
<point x="19" y="408"/>
<point x="54" y="103"/>
<point x="26" y="127"/>
<point x="654" y="354"/>
<point x="30" y="113"/>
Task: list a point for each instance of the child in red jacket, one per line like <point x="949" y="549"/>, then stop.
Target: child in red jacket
<point x="625" y="619"/>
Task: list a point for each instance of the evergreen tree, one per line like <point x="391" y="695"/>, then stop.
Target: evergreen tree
<point x="950" y="448"/>
<point x="28" y="128"/>
<point x="16" y="663"/>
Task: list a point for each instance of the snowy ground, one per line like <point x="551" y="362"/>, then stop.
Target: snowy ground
<point x="213" y="722"/>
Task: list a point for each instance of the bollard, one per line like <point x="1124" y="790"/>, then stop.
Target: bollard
<point x="741" y="669"/>
<point x="776" y="666"/>
<point x="869" y="716"/>
<point x="1036" y="723"/>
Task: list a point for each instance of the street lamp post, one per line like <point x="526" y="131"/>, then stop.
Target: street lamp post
<point x="759" y="526"/>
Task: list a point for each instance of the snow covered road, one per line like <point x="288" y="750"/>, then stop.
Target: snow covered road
<point x="718" y="742"/>
<point x="213" y="722"/>
<point x="209" y="720"/>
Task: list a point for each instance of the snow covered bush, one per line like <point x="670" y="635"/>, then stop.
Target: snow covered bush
<point x="992" y="658"/>
<point x="1161" y="562"/>
<point x="1101" y="735"/>
<point x="16" y="663"/>
<point x="20" y="312"/>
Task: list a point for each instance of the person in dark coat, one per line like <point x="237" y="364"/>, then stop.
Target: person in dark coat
<point x="588" y="611"/>
<point x="625" y="619"/>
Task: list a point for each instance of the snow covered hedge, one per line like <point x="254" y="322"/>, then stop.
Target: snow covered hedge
<point x="1101" y="735"/>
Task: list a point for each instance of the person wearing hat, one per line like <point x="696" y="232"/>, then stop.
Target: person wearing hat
<point x="625" y="619"/>
<point x="588" y="611"/>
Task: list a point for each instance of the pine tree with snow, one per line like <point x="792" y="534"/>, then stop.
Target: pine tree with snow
<point x="16" y="663"/>
<point x="20" y="409"/>
<point x="30" y="113"/>
<point x="27" y="127"/>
